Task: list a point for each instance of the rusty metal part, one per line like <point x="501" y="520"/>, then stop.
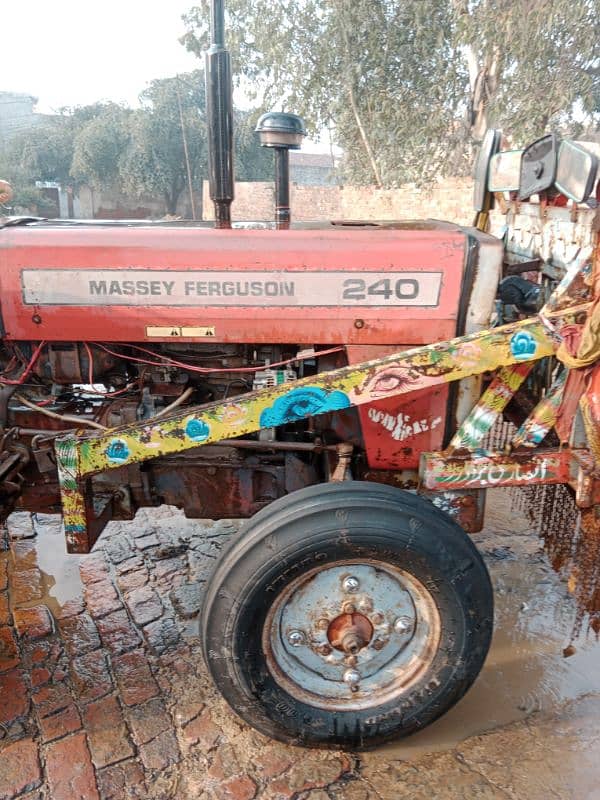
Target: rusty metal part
<point x="120" y="411"/>
<point x="41" y="433"/>
<point x="584" y="578"/>
<point x="78" y="420"/>
<point x="176" y="403"/>
<point x="226" y="483"/>
<point x="350" y="632"/>
<point x="67" y="364"/>
<point x="14" y="457"/>
<point x="517" y="265"/>
<point x="342" y="469"/>
<point x="465" y="506"/>
<point x="571" y="538"/>
<point x="290" y="447"/>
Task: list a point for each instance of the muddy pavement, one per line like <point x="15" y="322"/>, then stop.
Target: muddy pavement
<point x="103" y="693"/>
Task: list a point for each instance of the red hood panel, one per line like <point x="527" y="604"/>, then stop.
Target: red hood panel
<point x="344" y="285"/>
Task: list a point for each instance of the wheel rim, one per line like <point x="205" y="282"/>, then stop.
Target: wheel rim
<point x="351" y="635"/>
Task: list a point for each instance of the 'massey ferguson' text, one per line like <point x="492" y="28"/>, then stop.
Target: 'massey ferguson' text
<point x="198" y="288"/>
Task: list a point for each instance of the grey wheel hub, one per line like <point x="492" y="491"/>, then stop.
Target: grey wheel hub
<point x="352" y="634"/>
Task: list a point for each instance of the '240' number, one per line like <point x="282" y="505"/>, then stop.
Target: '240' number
<point x="403" y="289"/>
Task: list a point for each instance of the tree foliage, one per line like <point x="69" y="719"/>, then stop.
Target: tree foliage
<point x="99" y="145"/>
<point x="45" y="152"/>
<point x="409" y="87"/>
<point x="170" y="119"/>
<point x="139" y="152"/>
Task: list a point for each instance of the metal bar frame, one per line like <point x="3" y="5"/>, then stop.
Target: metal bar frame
<point x="81" y="456"/>
<point x="512" y="349"/>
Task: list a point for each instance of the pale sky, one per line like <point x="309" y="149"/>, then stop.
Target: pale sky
<point x="69" y="53"/>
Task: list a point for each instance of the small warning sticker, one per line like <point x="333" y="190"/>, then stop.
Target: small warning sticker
<point x="174" y="331"/>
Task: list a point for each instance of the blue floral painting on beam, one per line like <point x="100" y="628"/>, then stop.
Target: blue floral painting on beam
<point x="300" y="403"/>
<point x="523" y="345"/>
<point x="197" y="430"/>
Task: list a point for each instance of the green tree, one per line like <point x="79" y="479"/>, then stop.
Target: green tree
<point x="532" y="64"/>
<point x="409" y="87"/>
<point x="169" y="121"/>
<point x="45" y="152"/>
<point x="100" y="143"/>
<point x="25" y="195"/>
<point x="146" y="151"/>
<point x="251" y="161"/>
<point x="42" y="153"/>
<point x="173" y="117"/>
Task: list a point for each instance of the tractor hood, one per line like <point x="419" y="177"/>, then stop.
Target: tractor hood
<point x="388" y="283"/>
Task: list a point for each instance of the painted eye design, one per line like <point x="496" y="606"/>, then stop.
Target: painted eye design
<point x="392" y="379"/>
<point x="299" y="403"/>
<point x="117" y="451"/>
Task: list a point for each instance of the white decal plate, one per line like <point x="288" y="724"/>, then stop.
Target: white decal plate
<point x="173" y="331"/>
<point x="143" y="287"/>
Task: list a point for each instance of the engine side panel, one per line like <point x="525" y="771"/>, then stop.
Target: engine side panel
<point x="338" y="286"/>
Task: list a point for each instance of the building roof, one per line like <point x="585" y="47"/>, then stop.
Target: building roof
<point x="322" y="160"/>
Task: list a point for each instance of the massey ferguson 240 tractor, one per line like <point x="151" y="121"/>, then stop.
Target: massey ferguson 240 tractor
<point x="334" y="384"/>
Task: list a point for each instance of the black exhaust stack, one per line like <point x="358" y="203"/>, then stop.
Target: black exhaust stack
<point x="219" y="115"/>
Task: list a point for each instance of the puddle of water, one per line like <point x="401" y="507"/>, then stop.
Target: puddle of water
<point x="525" y="671"/>
<point x="60" y="570"/>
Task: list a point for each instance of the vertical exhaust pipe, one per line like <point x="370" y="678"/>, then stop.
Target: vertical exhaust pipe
<point x="219" y="116"/>
<point x="282" y="132"/>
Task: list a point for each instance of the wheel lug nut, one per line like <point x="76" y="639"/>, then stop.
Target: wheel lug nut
<point x="366" y="604"/>
<point x="349" y="608"/>
<point x="403" y="625"/>
<point x="323" y="624"/>
<point x="296" y="638"/>
<point x="351" y="661"/>
<point x="324" y="650"/>
<point x="351" y="584"/>
<point x="377" y="618"/>
<point x="378" y="644"/>
<point x="351" y="677"/>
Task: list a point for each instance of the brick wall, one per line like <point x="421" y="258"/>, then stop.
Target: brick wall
<point x="112" y="204"/>
<point x="449" y="200"/>
<point x="256" y="201"/>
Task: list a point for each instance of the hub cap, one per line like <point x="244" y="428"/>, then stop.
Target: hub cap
<point x="353" y="634"/>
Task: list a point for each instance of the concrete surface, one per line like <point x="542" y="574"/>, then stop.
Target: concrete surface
<point x="103" y="693"/>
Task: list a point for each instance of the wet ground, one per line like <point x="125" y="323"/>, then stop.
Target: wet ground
<point x="103" y="692"/>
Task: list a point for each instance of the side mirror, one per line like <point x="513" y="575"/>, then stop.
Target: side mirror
<point x="505" y="168"/>
<point x="489" y="146"/>
<point x="576" y="172"/>
<point x="538" y="166"/>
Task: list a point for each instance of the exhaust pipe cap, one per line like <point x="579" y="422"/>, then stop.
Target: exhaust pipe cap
<point x="279" y="129"/>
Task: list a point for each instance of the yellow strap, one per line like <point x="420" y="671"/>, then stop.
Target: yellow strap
<point x="588" y="351"/>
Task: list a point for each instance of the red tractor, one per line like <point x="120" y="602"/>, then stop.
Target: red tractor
<point x="333" y="384"/>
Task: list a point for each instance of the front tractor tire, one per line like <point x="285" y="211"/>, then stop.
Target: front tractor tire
<point x="345" y="615"/>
